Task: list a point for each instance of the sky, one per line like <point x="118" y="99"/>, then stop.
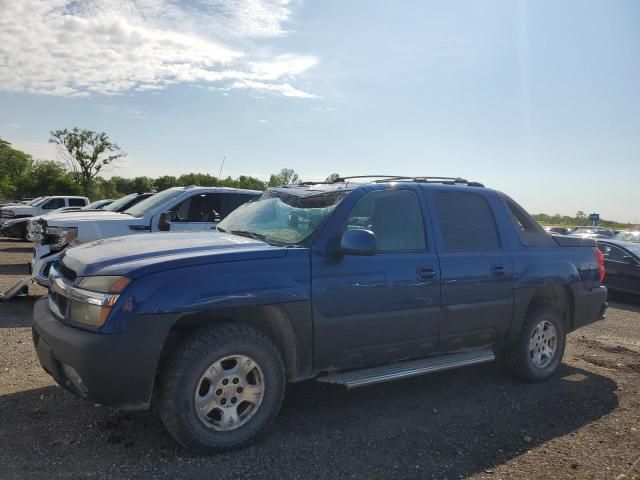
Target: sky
<point x="539" y="99"/>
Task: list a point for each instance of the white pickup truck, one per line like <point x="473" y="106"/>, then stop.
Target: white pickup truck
<point x="40" y="206"/>
<point x="178" y="209"/>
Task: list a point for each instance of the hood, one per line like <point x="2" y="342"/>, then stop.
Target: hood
<point x="70" y="219"/>
<point x="141" y="254"/>
<point x="19" y="208"/>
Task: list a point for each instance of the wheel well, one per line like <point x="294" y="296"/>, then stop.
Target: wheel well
<point x="557" y="297"/>
<point x="270" y="320"/>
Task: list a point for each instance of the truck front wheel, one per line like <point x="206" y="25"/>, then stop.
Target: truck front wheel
<point x="539" y="350"/>
<point x="221" y="389"/>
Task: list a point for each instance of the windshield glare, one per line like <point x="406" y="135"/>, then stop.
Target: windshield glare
<point x="149" y="204"/>
<point x="628" y="237"/>
<point x="281" y="218"/>
<point x="114" y="206"/>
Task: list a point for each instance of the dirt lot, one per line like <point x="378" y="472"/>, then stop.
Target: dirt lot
<point x="472" y="423"/>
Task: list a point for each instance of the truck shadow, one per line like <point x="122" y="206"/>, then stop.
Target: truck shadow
<point x="16" y="312"/>
<point x="14" y="269"/>
<point x="446" y="425"/>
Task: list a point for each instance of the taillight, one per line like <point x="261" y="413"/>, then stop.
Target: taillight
<point x="600" y="260"/>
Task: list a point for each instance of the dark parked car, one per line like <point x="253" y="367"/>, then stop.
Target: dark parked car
<point x="351" y="284"/>
<point x="622" y="264"/>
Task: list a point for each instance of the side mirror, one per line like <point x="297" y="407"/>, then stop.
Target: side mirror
<point x="358" y="241"/>
<point x="164" y="222"/>
<point x="630" y="260"/>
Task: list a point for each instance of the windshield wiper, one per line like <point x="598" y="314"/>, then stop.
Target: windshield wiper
<point x="220" y="229"/>
<point x="246" y="233"/>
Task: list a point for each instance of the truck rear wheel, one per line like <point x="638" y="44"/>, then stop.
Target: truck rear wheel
<point x="539" y="350"/>
<point x="221" y="389"/>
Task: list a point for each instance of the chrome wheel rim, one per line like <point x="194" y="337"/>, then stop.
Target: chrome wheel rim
<point x="543" y="344"/>
<point x="229" y="392"/>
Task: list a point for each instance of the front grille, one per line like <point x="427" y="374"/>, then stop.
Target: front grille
<point x="5" y="214"/>
<point x="60" y="302"/>
<point x="66" y="272"/>
<point x="38" y="233"/>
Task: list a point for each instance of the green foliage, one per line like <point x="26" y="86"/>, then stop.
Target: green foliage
<point x="286" y="176"/>
<point x="581" y="219"/>
<point x="14" y="164"/>
<point x="332" y="178"/>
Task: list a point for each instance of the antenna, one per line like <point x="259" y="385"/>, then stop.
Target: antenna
<point x="222" y="165"/>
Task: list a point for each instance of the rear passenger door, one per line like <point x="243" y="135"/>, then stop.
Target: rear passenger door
<point x="476" y="270"/>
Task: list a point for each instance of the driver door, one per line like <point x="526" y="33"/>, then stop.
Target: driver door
<point x="375" y="309"/>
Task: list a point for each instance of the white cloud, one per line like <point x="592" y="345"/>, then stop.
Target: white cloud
<point x="68" y="47"/>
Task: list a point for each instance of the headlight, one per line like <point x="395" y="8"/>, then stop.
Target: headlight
<point x="92" y="300"/>
<point x="105" y="284"/>
<point x="60" y="236"/>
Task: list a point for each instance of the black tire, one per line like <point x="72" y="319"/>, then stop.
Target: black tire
<point x="519" y="357"/>
<point x="181" y="374"/>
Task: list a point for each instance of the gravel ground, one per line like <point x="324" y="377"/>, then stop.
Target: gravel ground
<point x="471" y="423"/>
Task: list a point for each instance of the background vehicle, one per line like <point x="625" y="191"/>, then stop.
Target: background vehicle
<point x="627" y="237"/>
<point x="40" y="206"/>
<point x="622" y="263"/>
<point x="591" y="232"/>
<point x="19" y="227"/>
<point x="120" y="205"/>
<point x="178" y="209"/>
<point x="557" y="230"/>
<point x="326" y="281"/>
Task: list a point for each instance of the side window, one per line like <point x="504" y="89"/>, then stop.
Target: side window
<point x="199" y="208"/>
<point x="467" y="221"/>
<point x="395" y="218"/>
<point x="77" y="202"/>
<point x="612" y="253"/>
<point x="230" y="201"/>
<point x="531" y="234"/>
<point x="53" y="204"/>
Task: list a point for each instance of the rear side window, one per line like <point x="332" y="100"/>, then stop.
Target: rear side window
<point x="467" y="221"/>
<point x="531" y="234"/>
<point x="77" y="202"/>
<point x="53" y="204"/>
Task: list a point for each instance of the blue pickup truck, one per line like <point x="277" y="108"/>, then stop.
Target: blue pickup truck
<point x="351" y="282"/>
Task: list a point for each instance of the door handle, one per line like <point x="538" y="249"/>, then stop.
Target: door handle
<point x="427" y="273"/>
<point x="499" y="270"/>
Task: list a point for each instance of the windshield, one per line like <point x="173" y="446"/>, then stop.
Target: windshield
<point x="628" y="237"/>
<point x="94" y="205"/>
<point x="36" y="201"/>
<point x="280" y="218"/>
<point x="115" y="206"/>
<point x="148" y="204"/>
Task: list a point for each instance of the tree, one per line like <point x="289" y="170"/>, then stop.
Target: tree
<point x="86" y="153"/>
<point x="332" y="178"/>
<point x="164" y="182"/>
<point x="286" y="176"/>
<point x="14" y="164"/>
<point x="581" y="216"/>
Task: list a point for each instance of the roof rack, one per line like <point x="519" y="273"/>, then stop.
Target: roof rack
<point x="387" y="178"/>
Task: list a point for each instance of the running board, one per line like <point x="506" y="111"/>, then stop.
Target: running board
<point x="15" y="290"/>
<point x="395" y="371"/>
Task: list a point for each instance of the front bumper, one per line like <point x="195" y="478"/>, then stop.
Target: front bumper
<point x="41" y="263"/>
<point x="113" y="370"/>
